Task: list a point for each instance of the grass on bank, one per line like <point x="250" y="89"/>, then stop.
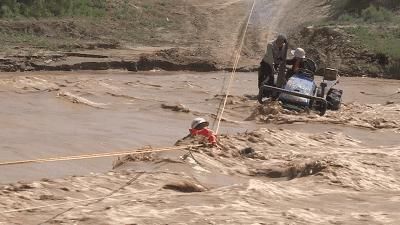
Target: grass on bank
<point x="357" y="6"/>
<point x="380" y="40"/>
<point x="374" y="24"/>
<point x="71" y="23"/>
<point x="51" y="8"/>
<point x="369" y="15"/>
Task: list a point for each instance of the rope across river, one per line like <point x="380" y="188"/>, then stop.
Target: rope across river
<point x="128" y="152"/>
<point x="98" y="155"/>
<point x="235" y="65"/>
<point x="141" y="151"/>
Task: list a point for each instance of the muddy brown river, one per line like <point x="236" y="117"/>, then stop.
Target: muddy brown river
<point x="60" y="114"/>
<point x="274" y="165"/>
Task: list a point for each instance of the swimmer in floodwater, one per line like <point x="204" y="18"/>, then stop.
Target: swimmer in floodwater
<point x="199" y="127"/>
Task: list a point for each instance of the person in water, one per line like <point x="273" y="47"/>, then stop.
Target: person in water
<point x="199" y="127"/>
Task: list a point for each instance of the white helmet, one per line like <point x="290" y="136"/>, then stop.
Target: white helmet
<point x="299" y="53"/>
<point x="198" y="121"/>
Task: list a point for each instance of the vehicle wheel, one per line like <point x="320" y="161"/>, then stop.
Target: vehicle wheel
<point x="260" y="96"/>
<point x="322" y="108"/>
<point x="319" y="92"/>
<point x="334" y="98"/>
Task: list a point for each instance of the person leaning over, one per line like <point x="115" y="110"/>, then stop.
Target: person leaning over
<point x="274" y="57"/>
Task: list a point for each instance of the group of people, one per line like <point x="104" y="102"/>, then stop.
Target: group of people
<point x="275" y="60"/>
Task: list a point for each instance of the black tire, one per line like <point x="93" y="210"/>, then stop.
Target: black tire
<point x="319" y="92"/>
<point x="312" y="101"/>
<point x="334" y="99"/>
<point x="310" y="65"/>
<point x="322" y="108"/>
<point x="260" y="96"/>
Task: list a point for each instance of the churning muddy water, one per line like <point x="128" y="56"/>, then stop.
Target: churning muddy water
<point x="274" y="165"/>
<point x="58" y="114"/>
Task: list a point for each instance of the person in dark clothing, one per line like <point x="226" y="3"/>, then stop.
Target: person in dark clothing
<point x="265" y="71"/>
<point x="274" y="56"/>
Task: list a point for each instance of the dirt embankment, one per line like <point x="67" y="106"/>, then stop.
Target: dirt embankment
<point x="333" y="46"/>
<point x="185" y="35"/>
<point x="104" y="60"/>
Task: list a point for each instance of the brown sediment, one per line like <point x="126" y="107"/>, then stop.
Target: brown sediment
<point x="284" y="168"/>
<point x="81" y="100"/>
<point x="352" y="114"/>
<point x="185" y="186"/>
<point x="176" y="108"/>
<point x="292" y="174"/>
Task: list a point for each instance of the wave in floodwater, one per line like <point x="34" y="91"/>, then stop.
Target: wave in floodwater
<point x="81" y="100"/>
<point x="279" y="171"/>
<point x="372" y="116"/>
<point x="291" y="175"/>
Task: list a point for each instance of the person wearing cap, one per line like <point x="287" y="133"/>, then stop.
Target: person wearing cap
<point x="297" y="62"/>
<point x="273" y="59"/>
<point x="199" y="127"/>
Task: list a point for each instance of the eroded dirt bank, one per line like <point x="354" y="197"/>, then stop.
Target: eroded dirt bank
<point x="189" y="35"/>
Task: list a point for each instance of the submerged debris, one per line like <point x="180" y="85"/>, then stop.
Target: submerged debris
<point x="176" y="108"/>
<point x="81" y="100"/>
<point x="185" y="186"/>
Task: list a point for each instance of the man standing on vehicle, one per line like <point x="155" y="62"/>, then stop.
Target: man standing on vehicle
<point x="274" y="60"/>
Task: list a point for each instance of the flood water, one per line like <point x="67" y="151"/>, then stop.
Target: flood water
<point x="46" y="114"/>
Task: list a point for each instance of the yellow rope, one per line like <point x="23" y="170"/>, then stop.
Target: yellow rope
<point x="98" y="155"/>
<point x="140" y="151"/>
<point x="137" y="151"/>
<point x="235" y="65"/>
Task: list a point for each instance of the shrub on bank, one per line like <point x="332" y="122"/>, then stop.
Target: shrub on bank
<point x="357" y="6"/>
<point x="393" y="70"/>
<point x="51" y="8"/>
<point x="385" y="41"/>
<point x="371" y="14"/>
<point x="374" y="14"/>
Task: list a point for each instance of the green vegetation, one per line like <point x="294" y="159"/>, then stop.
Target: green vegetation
<point x="357" y="6"/>
<point x="374" y="26"/>
<point x="71" y="24"/>
<point x="51" y="8"/>
<point x="384" y="41"/>
<point x="143" y="14"/>
<point x="372" y="14"/>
